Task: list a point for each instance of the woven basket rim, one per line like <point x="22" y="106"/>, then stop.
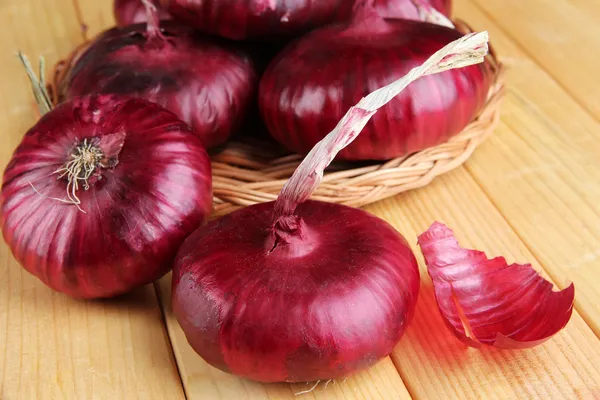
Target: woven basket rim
<point x="251" y="171"/>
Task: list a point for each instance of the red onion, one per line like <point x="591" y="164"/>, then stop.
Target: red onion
<point x="100" y="193"/>
<point x="241" y="19"/>
<point x="300" y="290"/>
<point x="407" y="9"/>
<point x="488" y="302"/>
<point x="207" y="82"/>
<point x="306" y="89"/>
<point x="129" y="12"/>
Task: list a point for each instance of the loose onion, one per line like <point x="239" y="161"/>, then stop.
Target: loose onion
<point x="100" y="193"/>
<point x="488" y="302"/>
<point x="129" y="12"/>
<point x="208" y="83"/>
<point x="306" y="89"/>
<point x="301" y="290"/>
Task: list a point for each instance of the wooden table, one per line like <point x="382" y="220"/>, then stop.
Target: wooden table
<point x="531" y="193"/>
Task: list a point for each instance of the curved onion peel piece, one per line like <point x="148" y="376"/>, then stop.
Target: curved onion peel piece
<point x="489" y="302"/>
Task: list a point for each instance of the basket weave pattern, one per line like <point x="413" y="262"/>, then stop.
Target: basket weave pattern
<point x="246" y="173"/>
<point x="253" y="171"/>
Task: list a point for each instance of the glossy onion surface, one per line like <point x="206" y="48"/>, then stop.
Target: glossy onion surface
<point x="135" y="214"/>
<point x="399" y="8"/>
<point x="489" y="302"/>
<point x="205" y="81"/>
<point x="311" y="84"/>
<point x="241" y="19"/>
<point x="329" y="301"/>
<point x="129" y="12"/>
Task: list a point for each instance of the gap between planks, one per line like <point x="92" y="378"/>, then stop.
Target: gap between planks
<point x="168" y="339"/>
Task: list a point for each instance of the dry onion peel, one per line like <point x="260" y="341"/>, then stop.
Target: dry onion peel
<point x="489" y="302"/>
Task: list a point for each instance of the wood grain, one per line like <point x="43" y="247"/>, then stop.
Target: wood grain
<point x="561" y="36"/>
<point x="530" y="194"/>
<point x="96" y="15"/>
<point x="53" y="347"/>
<point x="432" y="362"/>
<point x="541" y="171"/>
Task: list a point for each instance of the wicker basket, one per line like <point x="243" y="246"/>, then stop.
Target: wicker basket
<point x="254" y="171"/>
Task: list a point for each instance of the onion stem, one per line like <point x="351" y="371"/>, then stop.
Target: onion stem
<point x="153" y="22"/>
<point x="38" y="84"/>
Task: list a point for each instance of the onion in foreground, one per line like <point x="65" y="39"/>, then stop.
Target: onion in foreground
<point x="311" y="83"/>
<point x="488" y="302"/>
<point x="101" y="192"/>
<point x="301" y="290"/>
<point x="209" y="83"/>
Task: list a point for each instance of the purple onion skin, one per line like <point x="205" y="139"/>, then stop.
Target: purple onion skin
<point x="129" y="12"/>
<point x="136" y="214"/>
<point x="307" y="89"/>
<point x="398" y="8"/>
<point x="209" y="83"/>
<point x="243" y="19"/>
<point x="322" y="307"/>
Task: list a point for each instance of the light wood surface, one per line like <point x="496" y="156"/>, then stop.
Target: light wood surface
<point x="529" y="193"/>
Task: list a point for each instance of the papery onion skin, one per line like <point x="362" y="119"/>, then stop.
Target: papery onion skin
<point x="127" y="12"/>
<point x="489" y="302"/>
<point x="135" y="215"/>
<point x="326" y="302"/>
<point x="340" y="64"/>
<point x="243" y="19"/>
<point x="209" y="83"/>
<point x="399" y="8"/>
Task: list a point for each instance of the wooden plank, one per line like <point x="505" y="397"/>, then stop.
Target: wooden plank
<point x="542" y="171"/>
<point x="53" y="347"/>
<point x="432" y="362"/>
<point x="561" y="36"/>
<point x="96" y="15"/>
<point x="201" y="381"/>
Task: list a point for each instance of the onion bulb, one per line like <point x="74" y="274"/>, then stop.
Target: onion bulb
<point x="309" y="85"/>
<point x="300" y="290"/>
<point x="488" y="302"/>
<point x="209" y="83"/>
<point x="100" y="193"/>
<point x="407" y="9"/>
<point x="244" y="19"/>
<point x="129" y="12"/>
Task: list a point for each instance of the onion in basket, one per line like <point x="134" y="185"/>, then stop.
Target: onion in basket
<point x="407" y="9"/>
<point x="209" y="83"/>
<point x="129" y="12"/>
<point x="311" y="83"/>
